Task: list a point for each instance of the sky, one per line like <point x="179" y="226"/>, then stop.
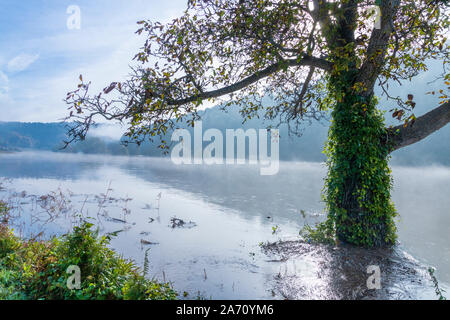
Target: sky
<point x="42" y="52"/>
<point x="42" y="55"/>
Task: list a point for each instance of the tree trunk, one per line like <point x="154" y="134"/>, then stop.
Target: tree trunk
<point x="358" y="185"/>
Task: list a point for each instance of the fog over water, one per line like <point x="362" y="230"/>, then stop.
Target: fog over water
<point x="232" y="210"/>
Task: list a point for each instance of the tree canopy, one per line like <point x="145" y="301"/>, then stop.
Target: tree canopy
<point x="240" y="51"/>
<point x="310" y="58"/>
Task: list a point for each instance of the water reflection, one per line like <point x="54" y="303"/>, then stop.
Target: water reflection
<point x="233" y="208"/>
<point x="345" y="272"/>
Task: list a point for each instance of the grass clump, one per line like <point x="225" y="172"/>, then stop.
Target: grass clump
<point x="321" y="233"/>
<point x="37" y="270"/>
<point x="439" y="291"/>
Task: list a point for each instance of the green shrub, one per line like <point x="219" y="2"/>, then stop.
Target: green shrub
<point x="321" y="233"/>
<point x="38" y="269"/>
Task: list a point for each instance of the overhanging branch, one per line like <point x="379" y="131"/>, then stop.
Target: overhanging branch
<point x="305" y="61"/>
<point x="425" y="125"/>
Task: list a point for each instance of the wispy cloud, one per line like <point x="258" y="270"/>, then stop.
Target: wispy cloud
<point x="21" y="62"/>
<point x="41" y="58"/>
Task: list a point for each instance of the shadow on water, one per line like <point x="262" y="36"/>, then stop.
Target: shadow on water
<point x="310" y="271"/>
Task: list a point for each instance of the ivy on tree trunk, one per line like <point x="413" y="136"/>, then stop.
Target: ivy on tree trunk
<point x="313" y="58"/>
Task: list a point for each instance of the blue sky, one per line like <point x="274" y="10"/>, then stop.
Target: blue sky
<point x="41" y="58"/>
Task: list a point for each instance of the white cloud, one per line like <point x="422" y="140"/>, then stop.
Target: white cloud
<point x="21" y="62"/>
<point x="108" y="131"/>
<point x="101" y="51"/>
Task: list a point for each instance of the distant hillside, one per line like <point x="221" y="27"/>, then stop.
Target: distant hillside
<point x="40" y="136"/>
<point x="308" y="147"/>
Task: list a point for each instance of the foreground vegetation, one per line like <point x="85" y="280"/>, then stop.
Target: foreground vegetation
<point x="37" y="270"/>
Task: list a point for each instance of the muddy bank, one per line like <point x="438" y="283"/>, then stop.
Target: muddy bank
<point x="311" y="271"/>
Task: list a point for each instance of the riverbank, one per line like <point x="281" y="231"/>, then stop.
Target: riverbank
<point x="7" y="151"/>
<point x="77" y="266"/>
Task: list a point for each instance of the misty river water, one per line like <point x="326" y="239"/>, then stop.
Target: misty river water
<point x="228" y="211"/>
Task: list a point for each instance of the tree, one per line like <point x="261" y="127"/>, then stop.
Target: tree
<point x="312" y="58"/>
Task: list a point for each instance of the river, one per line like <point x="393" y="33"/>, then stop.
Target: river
<point x="227" y="211"/>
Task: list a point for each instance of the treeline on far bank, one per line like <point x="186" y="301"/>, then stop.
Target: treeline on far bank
<point x="308" y="146"/>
